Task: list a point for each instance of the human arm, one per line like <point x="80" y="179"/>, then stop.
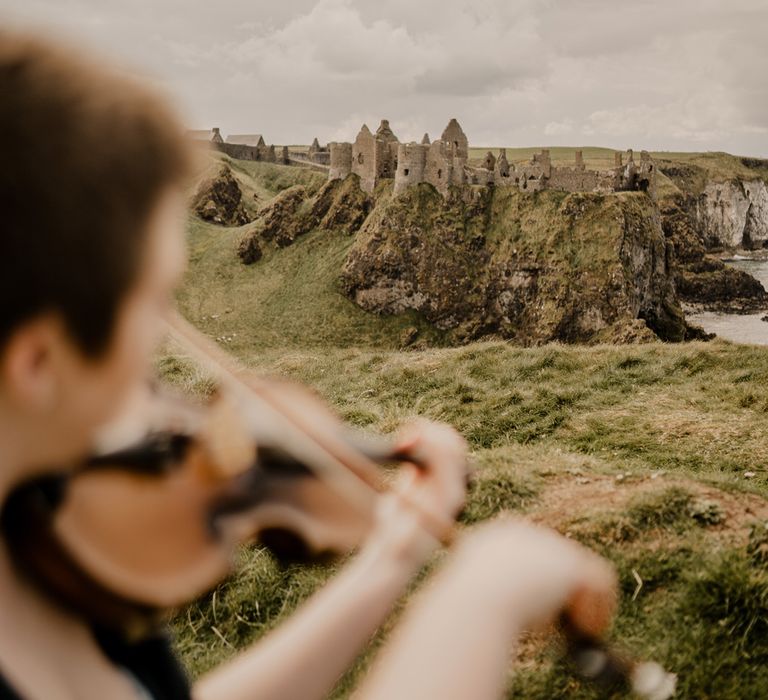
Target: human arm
<point x="304" y="657"/>
<point x="505" y="577"/>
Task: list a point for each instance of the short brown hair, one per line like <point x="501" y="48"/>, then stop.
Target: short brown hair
<point x="85" y="155"/>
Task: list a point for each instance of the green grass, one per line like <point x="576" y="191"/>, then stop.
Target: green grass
<point x="540" y="418"/>
<point x="666" y="431"/>
<point x="290" y="297"/>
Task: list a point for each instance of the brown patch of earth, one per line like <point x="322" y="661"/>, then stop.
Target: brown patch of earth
<point x="578" y="495"/>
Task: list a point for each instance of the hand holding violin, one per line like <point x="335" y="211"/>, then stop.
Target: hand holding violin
<point x="142" y="529"/>
<point x="433" y="478"/>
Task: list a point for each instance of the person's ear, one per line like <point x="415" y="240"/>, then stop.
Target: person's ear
<point x="29" y="367"/>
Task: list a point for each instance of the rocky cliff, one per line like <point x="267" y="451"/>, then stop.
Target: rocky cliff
<point x="714" y="206"/>
<point x="733" y="214"/>
<point x="528" y="267"/>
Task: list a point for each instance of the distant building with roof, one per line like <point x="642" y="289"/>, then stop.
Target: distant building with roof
<point x="255" y="140"/>
<point x="207" y="135"/>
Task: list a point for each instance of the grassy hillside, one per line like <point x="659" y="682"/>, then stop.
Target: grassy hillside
<point x="290" y="298"/>
<point x="640" y="452"/>
<point x="653" y="454"/>
<point x="571" y="252"/>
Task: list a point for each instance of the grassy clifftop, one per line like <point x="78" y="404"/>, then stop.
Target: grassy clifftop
<point x="714" y="166"/>
<point x="578" y="267"/>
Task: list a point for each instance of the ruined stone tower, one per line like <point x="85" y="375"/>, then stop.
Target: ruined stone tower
<point x="374" y="156"/>
<point x="646" y="175"/>
<point x="502" y="165"/>
<point x="455" y="136"/>
<point x="411" y="163"/>
<point x="341" y="161"/>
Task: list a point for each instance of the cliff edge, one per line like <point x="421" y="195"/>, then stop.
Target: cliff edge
<point x="527" y="267"/>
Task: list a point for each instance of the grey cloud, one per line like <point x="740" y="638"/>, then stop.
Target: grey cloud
<point x="682" y="74"/>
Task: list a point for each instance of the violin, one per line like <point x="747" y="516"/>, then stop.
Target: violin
<point x="144" y="527"/>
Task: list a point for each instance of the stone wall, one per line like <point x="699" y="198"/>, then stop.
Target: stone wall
<point x="444" y="168"/>
<point x="364" y="158"/>
<point x="242" y="152"/>
<point x="442" y="163"/>
<point x="411" y="165"/>
<point x="573" y="179"/>
<point x="341" y="160"/>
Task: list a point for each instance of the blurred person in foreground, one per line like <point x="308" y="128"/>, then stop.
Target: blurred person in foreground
<point x="92" y="211"/>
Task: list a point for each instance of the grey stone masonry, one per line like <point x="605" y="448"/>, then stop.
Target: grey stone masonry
<point x="445" y="162"/>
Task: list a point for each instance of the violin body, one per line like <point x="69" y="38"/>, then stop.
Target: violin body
<point x="150" y="526"/>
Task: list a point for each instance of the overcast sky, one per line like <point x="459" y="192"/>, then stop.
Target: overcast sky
<point x="655" y="74"/>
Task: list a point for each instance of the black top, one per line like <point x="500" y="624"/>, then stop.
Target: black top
<point x="151" y="661"/>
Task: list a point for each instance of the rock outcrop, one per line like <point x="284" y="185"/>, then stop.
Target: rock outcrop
<point x="280" y="219"/>
<point x="339" y="205"/>
<point x="531" y="268"/>
<point x="220" y="200"/>
<point x="342" y="205"/>
<point x="717" y="204"/>
<point x="733" y="214"/>
<point x="703" y="280"/>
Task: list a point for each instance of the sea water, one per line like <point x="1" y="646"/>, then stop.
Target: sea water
<point x="739" y="328"/>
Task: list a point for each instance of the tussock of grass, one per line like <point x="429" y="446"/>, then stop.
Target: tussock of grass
<point x="733" y="596"/>
<point x="668" y="509"/>
<point x="493" y="491"/>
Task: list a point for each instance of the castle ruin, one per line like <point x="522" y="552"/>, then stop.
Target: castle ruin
<point x="445" y="162"/>
<point x="319" y="154"/>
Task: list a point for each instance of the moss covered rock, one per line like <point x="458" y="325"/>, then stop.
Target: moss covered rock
<point x="529" y="267"/>
<point x="219" y="200"/>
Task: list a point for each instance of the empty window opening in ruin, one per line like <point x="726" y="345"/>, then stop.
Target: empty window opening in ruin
<point x="405" y="172"/>
<point x="360" y="158"/>
<point x="439" y="173"/>
<point x="456" y="143"/>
